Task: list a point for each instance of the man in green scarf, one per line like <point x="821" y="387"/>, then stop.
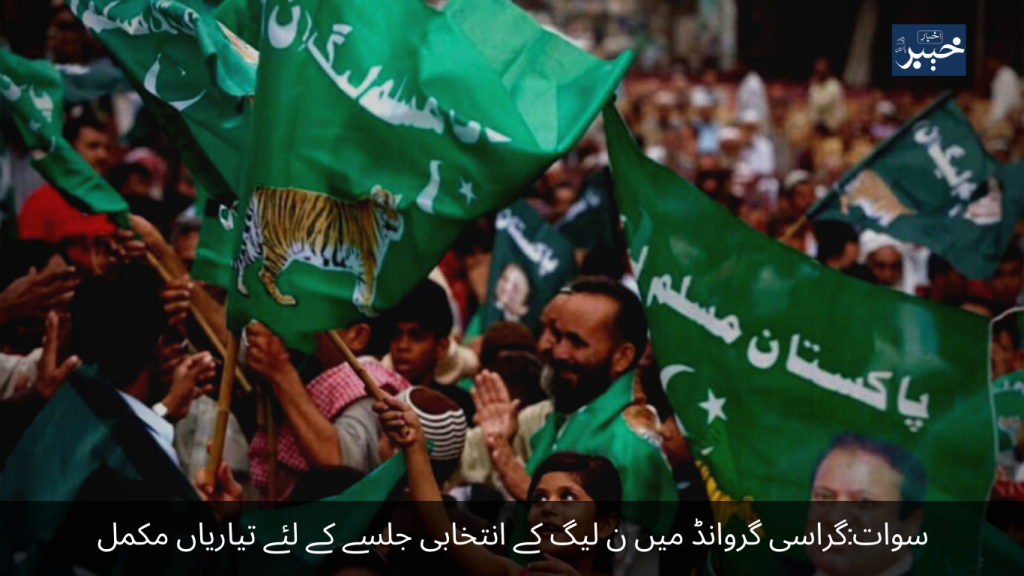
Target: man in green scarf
<point x="592" y="337"/>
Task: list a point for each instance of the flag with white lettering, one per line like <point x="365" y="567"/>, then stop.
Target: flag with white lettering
<point x="382" y="128"/>
<point x="194" y="74"/>
<point x="932" y="183"/>
<point x="34" y="92"/>
<point x="530" y="263"/>
<point x="787" y="375"/>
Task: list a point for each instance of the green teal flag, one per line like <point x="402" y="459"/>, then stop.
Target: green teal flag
<point x="932" y="183"/>
<point x="239" y="18"/>
<point x="87" y="445"/>
<point x="1008" y="397"/>
<point x="384" y="127"/>
<point x="343" y="517"/>
<point x="34" y="92"/>
<point x="771" y="360"/>
<point x="216" y="238"/>
<point x="615" y="426"/>
<point x="592" y="220"/>
<point x="195" y="75"/>
<point x="530" y="263"/>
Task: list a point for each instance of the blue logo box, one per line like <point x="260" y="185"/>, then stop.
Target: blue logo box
<point x="929" y="50"/>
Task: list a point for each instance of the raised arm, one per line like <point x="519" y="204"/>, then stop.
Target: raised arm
<point x="267" y="356"/>
<point x="397" y="418"/>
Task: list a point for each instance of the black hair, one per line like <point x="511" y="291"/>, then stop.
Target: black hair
<point x="629" y="322"/>
<point x="116" y="322"/>
<point x="119" y="174"/>
<point x="604" y="261"/>
<point x="938" y="265"/>
<point x="1008" y="324"/>
<point x="914" y="485"/>
<point x="832" y="237"/>
<point x="596" y="475"/>
<point x="427" y="305"/>
<point x="20" y="256"/>
<point x="74" y="126"/>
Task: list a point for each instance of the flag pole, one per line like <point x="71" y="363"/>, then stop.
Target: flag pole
<point x="223" y="407"/>
<point x="272" y="448"/>
<point x="201" y="320"/>
<point x="793" y="229"/>
<point x="356" y="365"/>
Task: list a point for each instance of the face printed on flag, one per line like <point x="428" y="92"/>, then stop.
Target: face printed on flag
<point x="932" y="183"/>
<point x="767" y="360"/>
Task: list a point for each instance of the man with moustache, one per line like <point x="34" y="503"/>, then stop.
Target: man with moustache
<point x="592" y="337"/>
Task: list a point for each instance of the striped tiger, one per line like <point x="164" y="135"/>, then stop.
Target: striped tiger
<point x="286" y="224"/>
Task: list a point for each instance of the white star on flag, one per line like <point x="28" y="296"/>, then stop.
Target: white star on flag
<point x="466" y="189"/>
<point x="713" y="406"/>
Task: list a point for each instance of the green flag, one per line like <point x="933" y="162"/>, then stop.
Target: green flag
<point x="34" y="91"/>
<point x="194" y="74"/>
<point x="239" y="18"/>
<point x="382" y="128"/>
<point x="932" y="183"/>
<point x="775" y="364"/>
<point x="86" y="444"/>
<point x="592" y="220"/>
<point x="213" y="253"/>
<point x="530" y="263"/>
<point x="616" y="427"/>
<point x="1008" y="397"/>
<point x="344" y="517"/>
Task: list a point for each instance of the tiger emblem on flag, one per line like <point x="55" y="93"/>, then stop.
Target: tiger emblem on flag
<point x="284" y="225"/>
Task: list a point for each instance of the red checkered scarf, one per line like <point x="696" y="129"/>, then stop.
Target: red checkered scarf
<point x="332" y="392"/>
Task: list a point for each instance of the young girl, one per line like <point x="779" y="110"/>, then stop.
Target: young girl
<point x="565" y="487"/>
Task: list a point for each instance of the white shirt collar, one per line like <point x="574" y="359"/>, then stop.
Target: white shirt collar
<point x="161" y="430"/>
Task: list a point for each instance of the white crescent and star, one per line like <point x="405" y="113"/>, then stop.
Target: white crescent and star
<point x="150" y="83"/>
<point x="714" y="407"/>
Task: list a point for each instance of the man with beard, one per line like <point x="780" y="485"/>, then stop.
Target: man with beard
<point x="592" y="337"/>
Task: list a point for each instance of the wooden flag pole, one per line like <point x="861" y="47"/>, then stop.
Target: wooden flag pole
<point x="793" y="228"/>
<point x="360" y="371"/>
<point x="272" y="448"/>
<point x="201" y="320"/>
<point x="356" y="365"/>
<point x="223" y="407"/>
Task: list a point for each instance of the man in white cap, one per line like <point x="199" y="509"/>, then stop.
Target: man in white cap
<point x="886" y="258"/>
<point x="705" y="125"/>
<point x="759" y="154"/>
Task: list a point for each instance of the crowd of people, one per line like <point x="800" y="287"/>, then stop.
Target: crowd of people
<point x="500" y="410"/>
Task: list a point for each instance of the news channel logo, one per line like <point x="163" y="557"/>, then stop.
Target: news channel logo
<point x="929" y="49"/>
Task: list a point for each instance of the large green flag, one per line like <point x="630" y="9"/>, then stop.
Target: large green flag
<point x="776" y="364"/>
<point x="88" y="445"/>
<point x="194" y="74"/>
<point x="932" y="183"/>
<point x="382" y="128"/>
<point x="34" y="92"/>
<point x="530" y="263"/>
<point x="343" y="518"/>
<point x="243" y="17"/>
